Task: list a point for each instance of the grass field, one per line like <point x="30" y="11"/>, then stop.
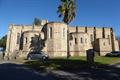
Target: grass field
<point x="100" y="59"/>
<point x="107" y="60"/>
<point x="73" y="63"/>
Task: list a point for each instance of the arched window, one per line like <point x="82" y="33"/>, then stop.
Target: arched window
<point x="81" y="40"/>
<point x="104" y="43"/>
<point x="75" y="40"/>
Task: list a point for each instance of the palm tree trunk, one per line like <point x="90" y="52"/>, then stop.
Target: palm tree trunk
<point x="68" y="49"/>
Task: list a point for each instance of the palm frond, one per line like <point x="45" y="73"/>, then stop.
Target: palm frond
<point x="67" y="10"/>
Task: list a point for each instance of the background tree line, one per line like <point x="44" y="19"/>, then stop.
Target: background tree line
<point x="3" y="41"/>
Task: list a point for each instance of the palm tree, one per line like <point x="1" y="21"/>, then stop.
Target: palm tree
<point x="67" y="11"/>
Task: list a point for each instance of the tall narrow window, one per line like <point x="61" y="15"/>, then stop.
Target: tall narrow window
<point x="18" y="38"/>
<point x="81" y="40"/>
<point x="109" y="39"/>
<point x="75" y="40"/>
<point x="26" y="40"/>
<point x="108" y="36"/>
<point x="50" y="32"/>
<point x="104" y="43"/>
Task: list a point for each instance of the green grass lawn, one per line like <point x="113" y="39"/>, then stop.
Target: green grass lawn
<point x="73" y="63"/>
<point x="100" y="59"/>
<point x="107" y="60"/>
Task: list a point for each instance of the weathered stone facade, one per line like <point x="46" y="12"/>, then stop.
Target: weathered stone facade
<point x="53" y="38"/>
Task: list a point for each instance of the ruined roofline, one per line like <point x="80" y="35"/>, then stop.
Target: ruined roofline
<point x="20" y="25"/>
<point x="89" y="27"/>
<point x="42" y="21"/>
<point x="52" y="22"/>
<point x="97" y="27"/>
<point x="102" y="38"/>
<point x="78" y="33"/>
<point x="33" y="24"/>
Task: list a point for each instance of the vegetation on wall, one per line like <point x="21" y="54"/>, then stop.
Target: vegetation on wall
<point x="3" y="42"/>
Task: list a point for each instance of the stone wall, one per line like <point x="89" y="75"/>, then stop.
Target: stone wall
<point x="56" y="39"/>
<point x="55" y="42"/>
<point x="102" y="46"/>
<point x="116" y="46"/>
<point x="14" y="37"/>
<point x="79" y="43"/>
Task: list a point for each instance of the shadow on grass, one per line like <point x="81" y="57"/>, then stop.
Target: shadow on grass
<point x="12" y="71"/>
<point x="98" y="71"/>
<point x="63" y="64"/>
<point x="81" y="68"/>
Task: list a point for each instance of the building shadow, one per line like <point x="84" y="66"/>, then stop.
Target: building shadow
<point x="80" y="68"/>
<point x="11" y="71"/>
<point x="99" y="73"/>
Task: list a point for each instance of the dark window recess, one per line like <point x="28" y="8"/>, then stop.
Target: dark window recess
<point x="91" y="37"/>
<point x="104" y="43"/>
<point x="75" y="40"/>
<point x="109" y="39"/>
<point x="81" y="40"/>
<point x="26" y="40"/>
<point x="18" y="38"/>
<point x="108" y="36"/>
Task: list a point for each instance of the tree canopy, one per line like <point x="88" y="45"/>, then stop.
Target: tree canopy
<point x="3" y="42"/>
<point x="37" y="22"/>
<point x="67" y="10"/>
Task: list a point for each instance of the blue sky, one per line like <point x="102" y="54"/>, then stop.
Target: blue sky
<point x="101" y="13"/>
